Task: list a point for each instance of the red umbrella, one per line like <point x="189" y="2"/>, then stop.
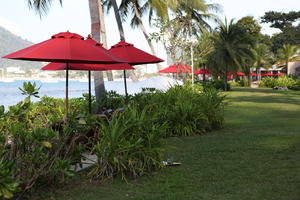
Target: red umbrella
<point x="253" y="74"/>
<point x="177" y="68"/>
<point x="240" y="73"/>
<point x="266" y="74"/>
<point x="203" y="71"/>
<point x="132" y="56"/>
<point x="89" y="67"/>
<point x="65" y="47"/>
<point x="279" y="74"/>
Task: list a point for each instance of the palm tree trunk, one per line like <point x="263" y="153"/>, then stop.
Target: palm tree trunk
<point x="146" y="35"/>
<point x="95" y="30"/>
<point x="109" y="74"/>
<point x="122" y="35"/>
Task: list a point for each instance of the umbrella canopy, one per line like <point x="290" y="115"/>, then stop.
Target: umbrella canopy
<point x="266" y="74"/>
<point x="91" y="67"/>
<point x="279" y="74"/>
<point x="65" y="47"/>
<point x="203" y="71"/>
<point x="132" y="55"/>
<point x="240" y="73"/>
<point x="253" y="74"/>
<point x="177" y="68"/>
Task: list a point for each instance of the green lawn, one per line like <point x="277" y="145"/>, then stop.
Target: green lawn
<point x="256" y="156"/>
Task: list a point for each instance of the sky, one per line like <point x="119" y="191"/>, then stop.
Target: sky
<point x="74" y="16"/>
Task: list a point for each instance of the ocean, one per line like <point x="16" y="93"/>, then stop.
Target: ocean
<point x="11" y="95"/>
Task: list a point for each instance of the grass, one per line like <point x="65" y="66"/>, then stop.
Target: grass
<point x="256" y="156"/>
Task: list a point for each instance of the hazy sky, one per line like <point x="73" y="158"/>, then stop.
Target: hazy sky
<point x="74" y="16"/>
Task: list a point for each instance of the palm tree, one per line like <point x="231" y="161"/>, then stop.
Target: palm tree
<point x="138" y="8"/>
<point x="122" y="35"/>
<point x="42" y="7"/>
<point x="287" y="54"/>
<point x="231" y="47"/>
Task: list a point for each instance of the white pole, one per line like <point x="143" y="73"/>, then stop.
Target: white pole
<point x="192" y="62"/>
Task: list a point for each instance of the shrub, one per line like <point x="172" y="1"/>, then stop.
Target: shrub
<point x="269" y="82"/>
<point x="186" y="111"/>
<point x="243" y="83"/>
<point x="128" y="144"/>
<point x="8" y="182"/>
<point x="234" y="84"/>
<point x="296" y="85"/>
<point x="282" y="81"/>
<point x="217" y="84"/>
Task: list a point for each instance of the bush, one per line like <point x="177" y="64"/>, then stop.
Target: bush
<point x="269" y="82"/>
<point x="8" y="182"/>
<point x="186" y="111"/>
<point x="128" y="144"/>
<point x="282" y="81"/>
<point x="296" y="85"/>
<point x="217" y="84"/>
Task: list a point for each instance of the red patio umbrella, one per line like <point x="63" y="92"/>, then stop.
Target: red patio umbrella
<point x="253" y="74"/>
<point x="240" y="73"/>
<point x="177" y="68"/>
<point x="203" y="71"/>
<point x="89" y="67"/>
<point x="266" y="74"/>
<point x="66" y="48"/>
<point x="132" y="56"/>
<point x="279" y="74"/>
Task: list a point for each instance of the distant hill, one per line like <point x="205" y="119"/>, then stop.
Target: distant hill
<point x="9" y="43"/>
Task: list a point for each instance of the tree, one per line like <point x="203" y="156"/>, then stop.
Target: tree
<point x="231" y="48"/>
<point x="285" y="22"/>
<point x="138" y="9"/>
<point x="287" y="54"/>
<point x="281" y="20"/>
<point x="42" y="7"/>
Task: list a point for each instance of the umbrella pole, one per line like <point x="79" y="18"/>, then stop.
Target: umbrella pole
<point x="90" y="95"/>
<point x="67" y="89"/>
<point x="125" y="84"/>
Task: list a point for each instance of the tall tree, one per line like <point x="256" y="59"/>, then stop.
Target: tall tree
<point x="288" y="24"/>
<point x="138" y="8"/>
<point x="113" y="3"/>
<point x="288" y="54"/>
<point x="42" y="7"/>
<point x="231" y="47"/>
<point x="103" y="37"/>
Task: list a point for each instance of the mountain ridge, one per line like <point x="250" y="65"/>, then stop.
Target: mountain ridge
<point x="9" y="43"/>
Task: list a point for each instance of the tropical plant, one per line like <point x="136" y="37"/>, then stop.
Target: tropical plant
<point x="232" y="45"/>
<point x="29" y="89"/>
<point x="138" y="8"/>
<point x="288" y="53"/>
<point x="8" y="183"/>
<point x="128" y="144"/>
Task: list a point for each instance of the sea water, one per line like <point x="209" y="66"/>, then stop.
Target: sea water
<point x="10" y="93"/>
